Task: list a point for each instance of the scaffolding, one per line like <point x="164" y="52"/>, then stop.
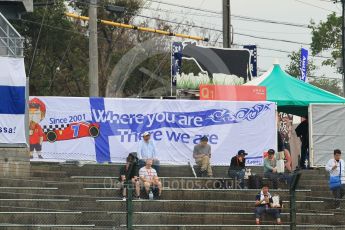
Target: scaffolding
<point x="11" y="42"/>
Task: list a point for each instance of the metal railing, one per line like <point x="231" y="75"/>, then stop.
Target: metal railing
<point x="11" y="42"/>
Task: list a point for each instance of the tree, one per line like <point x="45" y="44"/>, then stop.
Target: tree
<point x="113" y="42"/>
<point x="294" y="67"/>
<point x="330" y="85"/>
<point x="54" y="49"/>
<point x="326" y="37"/>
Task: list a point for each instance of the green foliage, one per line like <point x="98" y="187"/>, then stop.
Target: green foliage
<point x="293" y="68"/>
<point x="330" y="85"/>
<point x="326" y="36"/>
<point x="58" y="66"/>
<point x="113" y="42"/>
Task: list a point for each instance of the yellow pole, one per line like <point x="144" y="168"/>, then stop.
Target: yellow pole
<point x="144" y="29"/>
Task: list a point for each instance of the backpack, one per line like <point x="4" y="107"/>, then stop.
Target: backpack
<point x="255" y="182"/>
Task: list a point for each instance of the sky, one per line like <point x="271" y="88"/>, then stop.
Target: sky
<point x="292" y="11"/>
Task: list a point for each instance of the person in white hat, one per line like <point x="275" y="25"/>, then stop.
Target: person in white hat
<point x="147" y="150"/>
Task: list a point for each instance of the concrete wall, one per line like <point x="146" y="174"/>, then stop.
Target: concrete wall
<point x="14" y="162"/>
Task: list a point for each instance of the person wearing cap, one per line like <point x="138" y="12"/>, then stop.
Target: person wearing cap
<point x="264" y="204"/>
<point x="202" y="155"/>
<point x="147" y="150"/>
<point x="270" y="168"/>
<point x="237" y="167"/>
<point x="130" y="172"/>
<point x="271" y="172"/>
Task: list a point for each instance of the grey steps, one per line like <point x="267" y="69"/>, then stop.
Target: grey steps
<point x="5" y="226"/>
<point x="216" y="218"/>
<point x="264" y="226"/>
<point x="199" y="194"/>
<point x="40" y="217"/>
<point x="146" y="205"/>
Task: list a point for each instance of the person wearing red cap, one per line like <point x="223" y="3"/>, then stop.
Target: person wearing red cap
<point x="37" y="111"/>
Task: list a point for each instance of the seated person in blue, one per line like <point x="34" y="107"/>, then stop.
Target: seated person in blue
<point x="238" y="166"/>
<point x="147" y="150"/>
<point x="264" y="204"/>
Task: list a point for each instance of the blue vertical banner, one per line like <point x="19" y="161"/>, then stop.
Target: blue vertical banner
<point x="176" y="61"/>
<point x="253" y="59"/>
<point x="304" y="65"/>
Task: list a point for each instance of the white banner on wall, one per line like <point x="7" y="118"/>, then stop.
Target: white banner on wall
<point x="107" y="129"/>
<point x="12" y="100"/>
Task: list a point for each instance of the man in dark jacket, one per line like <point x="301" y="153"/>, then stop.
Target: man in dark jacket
<point x="130" y="172"/>
<point x="237" y="167"/>
<point x="302" y="132"/>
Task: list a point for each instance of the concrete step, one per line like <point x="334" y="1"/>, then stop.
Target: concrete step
<point x="165" y="170"/>
<point x="40" y="217"/>
<point x="200" y="194"/>
<point x="220" y="217"/>
<point x="180" y="183"/>
<point x="5" y="226"/>
<point x="172" y="182"/>
<point x="265" y="226"/>
<point x="63" y="218"/>
<point x="146" y="205"/>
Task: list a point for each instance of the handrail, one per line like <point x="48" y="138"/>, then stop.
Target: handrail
<point x="11" y="41"/>
<point x="9" y="25"/>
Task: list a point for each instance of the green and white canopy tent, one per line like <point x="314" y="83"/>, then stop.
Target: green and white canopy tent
<point x="292" y="95"/>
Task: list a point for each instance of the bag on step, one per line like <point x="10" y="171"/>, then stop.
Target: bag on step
<point x="255" y="182"/>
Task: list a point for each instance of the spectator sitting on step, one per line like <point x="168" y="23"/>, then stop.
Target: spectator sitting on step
<point x="238" y="166"/>
<point x="202" y="155"/>
<point x="147" y="150"/>
<point x="130" y="171"/>
<point x="270" y="169"/>
<point x="264" y="204"/>
<point x="149" y="179"/>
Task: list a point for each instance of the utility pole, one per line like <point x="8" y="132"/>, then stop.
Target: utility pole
<point x="226" y="24"/>
<point x="93" y="50"/>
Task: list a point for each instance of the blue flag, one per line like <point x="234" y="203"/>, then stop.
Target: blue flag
<point x="304" y="64"/>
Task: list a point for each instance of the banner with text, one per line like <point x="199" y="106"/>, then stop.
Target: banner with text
<point x="304" y="65"/>
<point x="107" y="129"/>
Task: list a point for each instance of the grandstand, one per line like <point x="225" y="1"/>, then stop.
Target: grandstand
<point x="68" y="196"/>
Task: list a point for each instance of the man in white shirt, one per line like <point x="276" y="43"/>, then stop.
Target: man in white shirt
<point x="149" y="179"/>
<point x="336" y="167"/>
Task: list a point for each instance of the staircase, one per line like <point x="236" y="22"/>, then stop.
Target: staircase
<point x="63" y="196"/>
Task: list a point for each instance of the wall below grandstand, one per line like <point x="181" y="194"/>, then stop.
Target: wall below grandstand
<point x="14" y="162"/>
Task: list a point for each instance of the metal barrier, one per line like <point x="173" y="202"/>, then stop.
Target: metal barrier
<point x="11" y="42"/>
